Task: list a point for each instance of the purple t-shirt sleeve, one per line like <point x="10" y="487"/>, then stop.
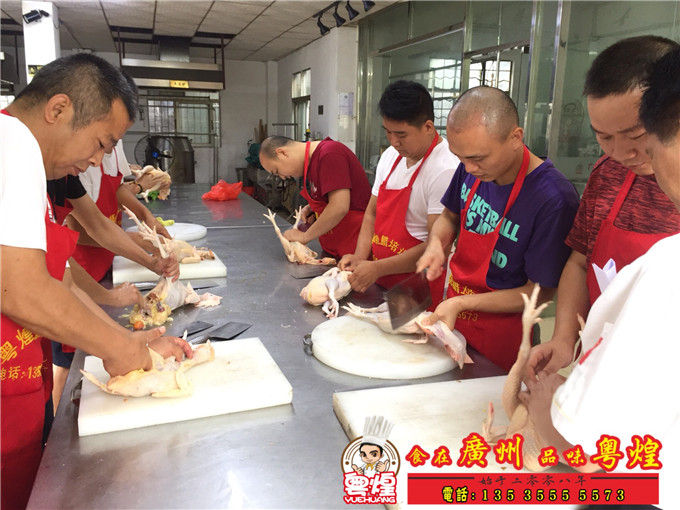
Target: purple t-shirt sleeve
<point x="451" y="199"/>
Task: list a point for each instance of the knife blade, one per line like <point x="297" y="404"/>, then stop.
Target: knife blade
<point x="408" y="298"/>
<point x="227" y="331"/>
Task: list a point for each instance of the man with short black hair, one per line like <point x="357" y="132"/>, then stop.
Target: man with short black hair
<point x="406" y="199"/>
<point x="510" y="212"/>
<point x="61" y="123"/>
<point x="613" y="392"/>
<point x="623" y="211"/>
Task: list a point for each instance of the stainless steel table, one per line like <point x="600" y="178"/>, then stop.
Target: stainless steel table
<point x="282" y="457"/>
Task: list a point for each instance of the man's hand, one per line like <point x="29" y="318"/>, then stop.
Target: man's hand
<point x="172" y="346"/>
<point x="548" y="357"/>
<point x="447" y="311"/>
<point x="149" y="181"/>
<point x="364" y="274"/>
<point x="538" y="396"/>
<point x="135" y="354"/>
<point x="294" y="234"/>
<point x="433" y="260"/>
<point x="307" y="215"/>
<point x="168" y="266"/>
<point x="125" y="294"/>
<point x="349" y="262"/>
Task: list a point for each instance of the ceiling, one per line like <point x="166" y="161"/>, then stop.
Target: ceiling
<point x="256" y="30"/>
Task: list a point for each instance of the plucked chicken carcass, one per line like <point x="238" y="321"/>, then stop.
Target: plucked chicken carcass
<point x="296" y="251"/>
<point x="160" y="181"/>
<point x="185" y="252"/>
<point x="166" y="295"/>
<point x="516" y="411"/>
<point x="326" y="289"/>
<point x="453" y="341"/>
<point x="167" y="378"/>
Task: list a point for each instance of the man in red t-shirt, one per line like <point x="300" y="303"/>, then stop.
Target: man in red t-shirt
<point x="334" y="184"/>
<point x="623" y="212"/>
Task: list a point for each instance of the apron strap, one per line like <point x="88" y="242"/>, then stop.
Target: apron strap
<point x="516" y="188"/>
<point x="415" y="174"/>
<point x="621" y="196"/>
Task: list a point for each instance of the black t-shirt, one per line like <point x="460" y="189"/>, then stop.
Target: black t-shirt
<point x="68" y="187"/>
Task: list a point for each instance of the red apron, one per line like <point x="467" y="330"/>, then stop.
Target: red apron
<point x="621" y="245"/>
<point x="95" y="259"/>
<point x="391" y="237"/>
<point x="26" y="386"/>
<point x="495" y="335"/>
<point x="342" y="238"/>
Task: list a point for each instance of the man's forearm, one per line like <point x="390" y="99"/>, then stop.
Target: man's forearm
<point x="502" y="301"/>
<point x="335" y="211"/>
<point x="572" y="300"/>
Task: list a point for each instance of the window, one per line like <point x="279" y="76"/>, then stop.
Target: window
<point x="300" y="94"/>
<point x="487" y="72"/>
<point x="196" y="115"/>
<point x="443" y="84"/>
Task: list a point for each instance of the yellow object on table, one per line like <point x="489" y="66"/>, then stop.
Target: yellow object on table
<point x="165" y="223"/>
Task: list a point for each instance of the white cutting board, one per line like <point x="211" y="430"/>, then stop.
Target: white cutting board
<point x="429" y="415"/>
<point x="125" y="270"/>
<point x="360" y="347"/>
<point x="243" y="376"/>
<point x="181" y="231"/>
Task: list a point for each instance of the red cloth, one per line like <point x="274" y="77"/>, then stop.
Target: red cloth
<point x="333" y="166"/>
<point x="95" y="259"/>
<point x="390" y="235"/>
<point x="495" y="335"/>
<point x="646" y="208"/>
<point x="26" y="368"/>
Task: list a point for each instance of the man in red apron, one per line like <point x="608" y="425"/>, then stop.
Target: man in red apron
<point x="53" y="128"/>
<point x="623" y="212"/>
<point x="333" y="183"/>
<point x="510" y="212"/>
<point x="406" y="199"/>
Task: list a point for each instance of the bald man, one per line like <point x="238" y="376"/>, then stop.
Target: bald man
<point x="510" y="212"/>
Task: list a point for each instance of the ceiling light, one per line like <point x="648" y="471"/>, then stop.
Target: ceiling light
<point x="322" y="28"/>
<point x="368" y="5"/>
<point x="352" y="13"/>
<point x="339" y="20"/>
<point x="35" y="15"/>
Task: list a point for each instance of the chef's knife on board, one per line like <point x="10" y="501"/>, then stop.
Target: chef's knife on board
<point x="408" y="298"/>
<point x="228" y="331"/>
<point x="150" y="285"/>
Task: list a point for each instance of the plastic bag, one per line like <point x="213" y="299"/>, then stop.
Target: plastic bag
<point x="223" y="191"/>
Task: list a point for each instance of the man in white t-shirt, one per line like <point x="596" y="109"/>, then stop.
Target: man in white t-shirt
<point x="411" y="178"/>
<point x="622" y="387"/>
<point x="60" y="123"/>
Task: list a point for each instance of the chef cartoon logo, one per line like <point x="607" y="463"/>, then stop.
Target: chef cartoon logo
<point x="370" y="465"/>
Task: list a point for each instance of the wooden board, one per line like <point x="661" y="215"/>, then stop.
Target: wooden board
<point x="429" y="415"/>
<point x="182" y="231"/>
<point x="243" y="376"/>
<point x="125" y="270"/>
<point x="359" y="347"/>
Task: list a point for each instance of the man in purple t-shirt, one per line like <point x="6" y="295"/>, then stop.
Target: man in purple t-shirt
<point x="510" y="212"/>
<point x="334" y="184"/>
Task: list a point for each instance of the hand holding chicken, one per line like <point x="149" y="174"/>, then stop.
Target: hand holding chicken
<point x="294" y="250"/>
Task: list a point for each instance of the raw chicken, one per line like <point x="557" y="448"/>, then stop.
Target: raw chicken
<point x="326" y="290"/>
<point x="295" y="251"/>
<point x="165" y="297"/>
<point x="161" y="181"/>
<point x="185" y="253"/>
<point x="454" y="342"/>
<point x="516" y="411"/>
<point x="166" y="379"/>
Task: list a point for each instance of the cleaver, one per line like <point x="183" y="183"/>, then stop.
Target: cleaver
<point x="227" y="331"/>
<point x="408" y="298"/>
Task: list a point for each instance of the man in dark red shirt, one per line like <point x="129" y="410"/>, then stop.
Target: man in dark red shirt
<point x="334" y="184"/>
<point x="623" y="212"/>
